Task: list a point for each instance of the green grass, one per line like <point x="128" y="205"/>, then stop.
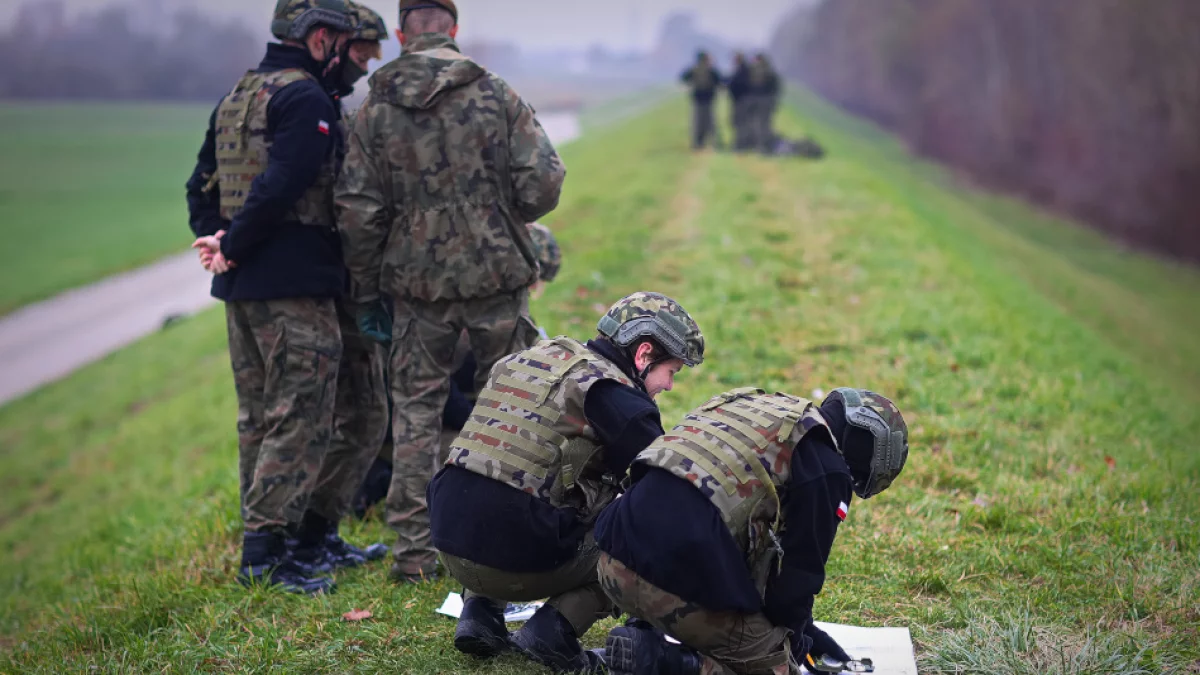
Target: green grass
<point x="88" y="191"/>
<point x="1026" y="354"/>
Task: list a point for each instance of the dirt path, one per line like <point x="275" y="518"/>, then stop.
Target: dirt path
<point x="51" y="339"/>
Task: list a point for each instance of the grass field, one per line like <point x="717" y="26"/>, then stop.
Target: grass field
<point x="1046" y="523"/>
<point x="87" y="192"/>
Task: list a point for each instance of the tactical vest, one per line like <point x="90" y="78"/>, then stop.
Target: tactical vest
<point x="243" y="146"/>
<point x="760" y="76"/>
<point x="528" y="427"/>
<point x="703" y="78"/>
<point x="737" y="450"/>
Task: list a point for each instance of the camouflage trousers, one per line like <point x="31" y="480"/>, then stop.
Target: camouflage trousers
<point x="729" y="642"/>
<point x="572" y="589"/>
<point x="704" y="125"/>
<point x="741" y="124"/>
<point x="758" y="121"/>
<point x="310" y="408"/>
<point x="360" y="419"/>
<point x="424" y="340"/>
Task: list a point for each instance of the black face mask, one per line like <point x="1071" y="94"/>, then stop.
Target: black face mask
<point x="352" y="73"/>
<point x="342" y="76"/>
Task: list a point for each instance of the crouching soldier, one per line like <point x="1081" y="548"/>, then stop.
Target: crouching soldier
<point x="722" y="539"/>
<point x="552" y="432"/>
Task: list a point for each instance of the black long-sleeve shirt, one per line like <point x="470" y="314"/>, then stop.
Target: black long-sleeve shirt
<point x="739" y="84"/>
<point x="494" y="524"/>
<point x="276" y="258"/>
<point x="671" y="535"/>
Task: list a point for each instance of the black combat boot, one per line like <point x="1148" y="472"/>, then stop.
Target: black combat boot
<point x="549" y="639"/>
<point x="307" y="550"/>
<point x="343" y="554"/>
<point x="265" y="561"/>
<point x="638" y="649"/>
<point x="481" y="631"/>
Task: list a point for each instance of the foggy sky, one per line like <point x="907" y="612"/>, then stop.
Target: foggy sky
<point x="617" y="24"/>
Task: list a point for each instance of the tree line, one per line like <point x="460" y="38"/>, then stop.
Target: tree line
<point x="124" y="51"/>
<point x="1091" y="107"/>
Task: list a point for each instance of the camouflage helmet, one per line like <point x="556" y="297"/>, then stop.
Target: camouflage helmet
<point x="369" y="26"/>
<point x="878" y="416"/>
<point x="295" y="18"/>
<point x="656" y="316"/>
<point x="545" y="246"/>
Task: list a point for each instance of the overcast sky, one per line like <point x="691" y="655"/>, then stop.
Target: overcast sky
<point x="618" y="24"/>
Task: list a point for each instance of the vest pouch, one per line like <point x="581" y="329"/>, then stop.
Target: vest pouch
<point x="764" y="555"/>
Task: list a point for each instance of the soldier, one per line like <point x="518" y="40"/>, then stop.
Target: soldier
<point x="721" y="541"/>
<point x="739" y="90"/>
<point x="704" y="81"/>
<point x="261" y="201"/>
<point x="361" y="408"/>
<point x="462" y="384"/>
<point x="542" y="454"/>
<point x="763" y="103"/>
<point x="446" y="164"/>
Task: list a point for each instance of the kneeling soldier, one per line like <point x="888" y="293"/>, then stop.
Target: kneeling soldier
<point x="551" y="434"/>
<point x="697" y="547"/>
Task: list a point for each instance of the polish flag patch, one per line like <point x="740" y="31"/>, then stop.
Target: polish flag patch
<point x="843" y="510"/>
<point x="323" y="127"/>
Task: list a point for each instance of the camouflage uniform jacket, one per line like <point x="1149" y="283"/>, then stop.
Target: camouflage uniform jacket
<point x="529" y="429"/>
<point x="445" y="166"/>
<point x="737" y="450"/>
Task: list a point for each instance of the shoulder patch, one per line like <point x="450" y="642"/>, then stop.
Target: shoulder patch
<point x="843" y="510"/>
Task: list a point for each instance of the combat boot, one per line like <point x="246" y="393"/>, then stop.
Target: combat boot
<point x="307" y="550"/>
<point x="638" y="649"/>
<point x="265" y="561"/>
<point x="481" y="631"/>
<point x="549" y="639"/>
<point x="343" y="554"/>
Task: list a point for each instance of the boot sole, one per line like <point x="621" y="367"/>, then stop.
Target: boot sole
<point x="480" y="647"/>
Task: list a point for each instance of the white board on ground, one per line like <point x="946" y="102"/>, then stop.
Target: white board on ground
<point x="891" y="649"/>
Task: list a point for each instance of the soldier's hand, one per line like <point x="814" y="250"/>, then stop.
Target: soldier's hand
<point x="823" y="645"/>
<point x="220" y="265"/>
<point x="374" y="321"/>
<point x="211" y="257"/>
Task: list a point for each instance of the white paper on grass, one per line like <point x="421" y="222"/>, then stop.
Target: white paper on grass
<point x="513" y="613"/>
<point x="890" y="648"/>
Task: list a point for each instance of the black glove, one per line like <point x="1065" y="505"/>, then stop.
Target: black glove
<point x="822" y="645"/>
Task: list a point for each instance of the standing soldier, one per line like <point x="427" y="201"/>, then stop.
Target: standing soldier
<point x="446" y="164"/>
<point x="721" y="541"/>
<point x="270" y="154"/>
<point x="462" y="383"/>
<point x="703" y="79"/>
<point x="542" y="454"/>
<point x="739" y="91"/>
<point x="361" y="409"/>
<point x="771" y="91"/>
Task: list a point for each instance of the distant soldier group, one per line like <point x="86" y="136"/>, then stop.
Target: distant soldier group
<point x="379" y="266"/>
<point x="755" y="88"/>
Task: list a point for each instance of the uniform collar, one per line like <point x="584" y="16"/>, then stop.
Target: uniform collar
<point x="281" y="56"/>
<point x="611" y="353"/>
<point x="430" y="41"/>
